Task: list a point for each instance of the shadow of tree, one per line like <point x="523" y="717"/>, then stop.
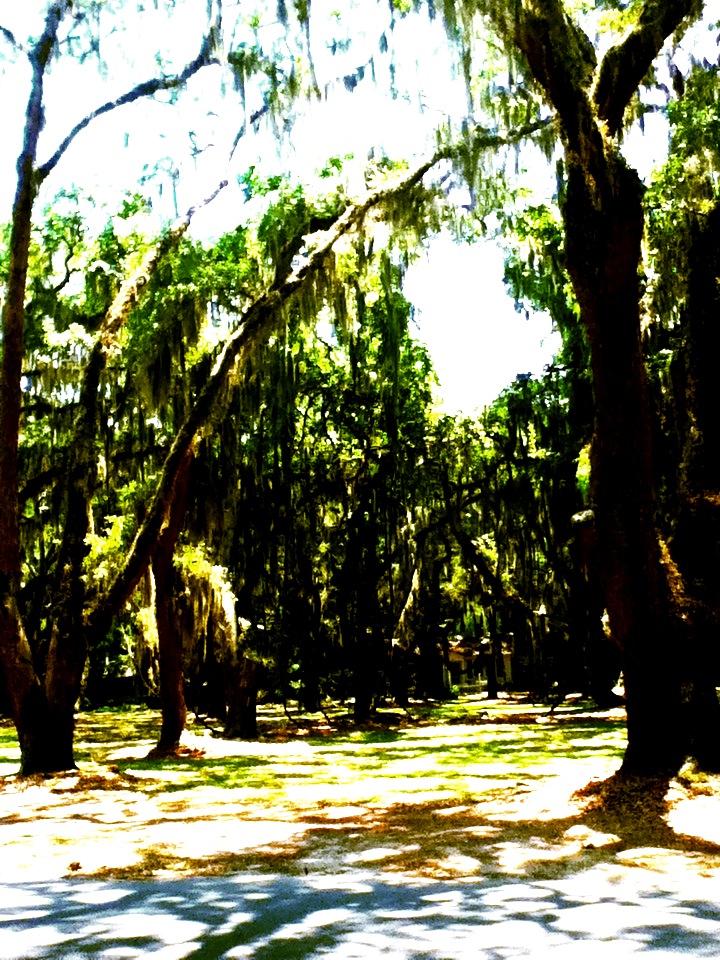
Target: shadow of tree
<point x="450" y="840"/>
<point x="637" y="809"/>
<point x="366" y="915"/>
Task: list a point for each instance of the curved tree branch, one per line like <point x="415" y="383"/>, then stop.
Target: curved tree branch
<point x="146" y="89"/>
<point x="562" y="60"/>
<point x="13" y="314"/>
<point x="625" y="64"/>
<point x="10" y="37"/>
<point x="23" y="684"/>
<point x="258" y="322"/>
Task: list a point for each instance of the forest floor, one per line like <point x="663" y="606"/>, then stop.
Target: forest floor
<point x="473" y="789"/>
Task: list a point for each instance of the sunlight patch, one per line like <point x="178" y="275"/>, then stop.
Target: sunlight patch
<point x="454" y="865"/>
<point x="320" y="918"/>
<point x="379" y="853"/>
<point x="343" y="813"/>
<point x="516" y="857"/>
<point x="696" y="816"/>
<point x="662" y="859"/>
<point x="342" y="882"/>
<point x="165" y="928"/>
<point x="591" y="839"/>
<point x="100" y="895"/>
<point x="451" y="811"/>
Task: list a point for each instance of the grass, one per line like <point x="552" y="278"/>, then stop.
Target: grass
<point x="310" y="790"/>
<point x="433" y="754"/>
<point x="464" y="790"/>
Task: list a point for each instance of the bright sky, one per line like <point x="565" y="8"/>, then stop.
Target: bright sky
<point x="478" y="342"/>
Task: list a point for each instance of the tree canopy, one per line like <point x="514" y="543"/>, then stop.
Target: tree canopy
<point x="223" y="471"/>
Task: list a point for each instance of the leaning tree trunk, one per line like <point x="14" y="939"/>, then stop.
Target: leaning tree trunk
<point x="27" y="694"/>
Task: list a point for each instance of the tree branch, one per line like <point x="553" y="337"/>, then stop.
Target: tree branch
<point x="10" y="37"/>
<point x="146" y="89"/>
<point x="82" y="466"/>
<point x="625" y="64"/>
<point x="560" y="57"/>
<point x="13" y="312"/>
<point x="254" y="117"/>
<point x="131" y="289"/>
<point x="257" y="324"/>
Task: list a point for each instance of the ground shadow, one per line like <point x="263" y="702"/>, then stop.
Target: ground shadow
<point x="617" y="821"/>
<point x="358" y="917"/>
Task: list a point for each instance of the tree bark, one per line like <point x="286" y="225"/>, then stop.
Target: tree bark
<point x="172" y="691"/>
<point x="241" y="699"/>
<point x="604" y="224"/>
<point x="27" y="695"/>
<point x="43" y="710"/>
<point x="603" y="254"/>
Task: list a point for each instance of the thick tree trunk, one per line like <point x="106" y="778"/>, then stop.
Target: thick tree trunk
<point x="25" y="692"/>
<point x="68" y="644"/>
<point x="29" y="704"/>
<point x="604" y="231"/>
<point x="604" y="224"/>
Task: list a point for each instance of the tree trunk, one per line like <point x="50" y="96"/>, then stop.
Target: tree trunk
<point x="604" y="232"/>
<point x="172" y="693"/>
<point x="494" y="652"/>
<point x="697" y="529"/>
<point x="603" y="227"/>
<point x="241" y="699"/>
<point x="31" y="715"/>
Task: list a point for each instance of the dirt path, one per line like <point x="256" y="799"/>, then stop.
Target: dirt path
<point x="599" y="912"/>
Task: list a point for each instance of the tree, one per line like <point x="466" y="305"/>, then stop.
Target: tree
<point x="603" y="222"/>
<point x="43" y="705"/>
<point x="683" y="244"/>
<point x="603" y="228"/>
<point x="43" y="685"/>
<point x="44" y="692"/>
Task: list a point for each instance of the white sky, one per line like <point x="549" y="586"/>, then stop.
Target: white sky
<point x="478" y="342"/>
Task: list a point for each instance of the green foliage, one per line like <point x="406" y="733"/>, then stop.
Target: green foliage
<point x="106" y="551"/>
<point x="683" y="191"/>
<point x="327" y="479"/>
<point x="439" y="757"/>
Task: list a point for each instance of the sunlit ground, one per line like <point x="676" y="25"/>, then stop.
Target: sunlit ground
<point x="474" y="790"/>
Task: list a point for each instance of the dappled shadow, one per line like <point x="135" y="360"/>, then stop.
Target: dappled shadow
<point x="500" y="862"/>
<point x="359" y="916"/>
<point x="637" y="809"/>
<point x="505" y="834"/>
<point x="204" y="815"/>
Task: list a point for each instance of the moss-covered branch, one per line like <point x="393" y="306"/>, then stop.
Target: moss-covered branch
<point x="258" y="322"/>
<point x="625" y="64"/>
